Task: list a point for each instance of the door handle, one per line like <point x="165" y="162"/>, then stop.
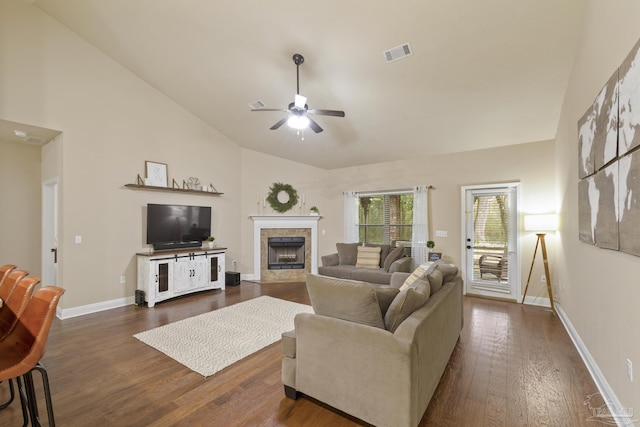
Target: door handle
<point x="55" y="255"/>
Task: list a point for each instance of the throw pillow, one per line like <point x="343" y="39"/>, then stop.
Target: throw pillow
<point x="449" y="271"/>
<point x="405" y="303"/>
<point x="347" y="253"/>
<point x="344" y="299"/>
<point x="368" y="257"/>
<point x="384" y="251"/>
<point x="435" y="280"/>
<point x="418" y="274"/>
<point x="385" y="295"/>
<point x="393" y="256"/>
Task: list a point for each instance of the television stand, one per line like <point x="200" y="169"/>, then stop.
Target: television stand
<point x="172" y="273"/>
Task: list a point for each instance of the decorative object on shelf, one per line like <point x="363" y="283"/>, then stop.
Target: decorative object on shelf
<point x="314" y="211"/>
<point x="210" y="243"/>
<point x="193" y="183"/>
<point x="157" y="175"/>
<point x="282" y="197"/>
<point x="433" y="256"/>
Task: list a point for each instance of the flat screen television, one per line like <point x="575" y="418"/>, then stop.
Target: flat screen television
<point x="177" y="226"/>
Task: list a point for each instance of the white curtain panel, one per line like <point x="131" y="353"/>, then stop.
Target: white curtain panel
<point x="420" y="233"/>
<point x="351" y="217"/>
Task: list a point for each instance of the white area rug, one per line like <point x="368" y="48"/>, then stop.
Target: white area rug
<point x="210" y="342"/>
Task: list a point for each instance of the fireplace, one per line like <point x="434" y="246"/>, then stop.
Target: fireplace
<point x="286" y="253"/>
<point x="289" y="229"/>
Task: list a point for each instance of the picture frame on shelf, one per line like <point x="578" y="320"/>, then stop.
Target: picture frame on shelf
<point x="434" y="256"/>
<point x="156" y="174"/>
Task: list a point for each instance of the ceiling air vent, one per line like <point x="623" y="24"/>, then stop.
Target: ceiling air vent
<point x="398" y="52"/>
<point x="34" y="140"/>
<point x="256" y="105"/>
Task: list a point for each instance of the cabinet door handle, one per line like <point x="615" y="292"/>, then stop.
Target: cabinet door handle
<point x="219" y="268"/>
<point x="157" y="278"/>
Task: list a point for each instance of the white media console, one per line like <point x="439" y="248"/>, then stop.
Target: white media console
<point x="168" y="274"/>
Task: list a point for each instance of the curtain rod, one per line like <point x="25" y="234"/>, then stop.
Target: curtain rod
<point x="397" y="191"/>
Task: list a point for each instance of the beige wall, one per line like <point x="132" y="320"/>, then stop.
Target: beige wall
<point x="111" y="122"/>
<point x="21" y="206"/>
<point x="600" y="291"/>
<point x="530" y="164"/>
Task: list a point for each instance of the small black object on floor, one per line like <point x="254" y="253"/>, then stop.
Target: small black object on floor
<point x="232" y="278"/>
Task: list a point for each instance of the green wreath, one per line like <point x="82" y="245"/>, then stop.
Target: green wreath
<point x="276" y="204"/>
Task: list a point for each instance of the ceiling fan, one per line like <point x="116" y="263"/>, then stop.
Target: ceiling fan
<point x="298" y="111"/>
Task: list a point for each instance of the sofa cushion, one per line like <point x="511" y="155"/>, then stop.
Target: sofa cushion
<point x="339" y="271"/>
<point x="406" y="302"/>
<point x="449" y="271"/>
<point x="385" y="297"/>
<point x="435" y="280"/>
<point x="394" y="255"/>
<point x="419" y="273"/>
<point x="368" y="257"/>
<point x="384" y="251"/>
<point x="345" y="299"/>
<point x="347" y="253"/>
<point x="371" y="275"/>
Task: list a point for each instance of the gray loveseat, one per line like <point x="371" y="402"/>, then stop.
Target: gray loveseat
<point x="383" y="373"/>
<point x="344" y="263"/>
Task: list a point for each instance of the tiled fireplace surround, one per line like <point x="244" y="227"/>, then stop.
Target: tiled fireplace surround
<point x="284" y="226"/>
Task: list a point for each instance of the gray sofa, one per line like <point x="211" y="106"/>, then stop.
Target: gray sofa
<point x="383" y="374"/>
<point x="344" y="263"/>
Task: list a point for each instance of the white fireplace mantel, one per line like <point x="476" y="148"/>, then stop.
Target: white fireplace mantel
<point x="284" y="221"/>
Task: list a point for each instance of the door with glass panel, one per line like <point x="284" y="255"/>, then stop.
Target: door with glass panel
<point x="490" y="246"/>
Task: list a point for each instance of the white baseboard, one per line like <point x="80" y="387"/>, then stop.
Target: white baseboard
<point x="616" y="410"/>
<point x="541" y="301"/>
<point x="93" y="308"/>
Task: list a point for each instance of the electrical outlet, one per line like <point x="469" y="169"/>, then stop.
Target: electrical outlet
<point x="543" y="279"/>
<point x="78" y="239"/>
<point x="123" y="280"/>
<point x="629" y="370"/>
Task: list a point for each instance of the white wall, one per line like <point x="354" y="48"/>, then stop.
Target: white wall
<point x="111" y="122"/>
<point x="21" y="206"/>
<point x="600" y="291"/>
<point x="599" y="288"/>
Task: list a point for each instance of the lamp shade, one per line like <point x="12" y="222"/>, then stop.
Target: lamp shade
<point x="544" y="222"/>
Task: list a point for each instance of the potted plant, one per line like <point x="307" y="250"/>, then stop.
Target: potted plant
<point x="314" y="211"/>
<point x="210" y="240"/>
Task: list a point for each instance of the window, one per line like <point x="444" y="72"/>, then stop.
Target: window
<point x="385" y="218"/>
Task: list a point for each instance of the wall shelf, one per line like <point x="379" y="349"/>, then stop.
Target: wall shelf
<point x="170" y="189"/>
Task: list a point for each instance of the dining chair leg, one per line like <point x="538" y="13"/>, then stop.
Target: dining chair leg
<point x="11" y="396"/>
<point x="23" y="402"/>
<point x="32" y="402"/>
<point x="47" y="392"/>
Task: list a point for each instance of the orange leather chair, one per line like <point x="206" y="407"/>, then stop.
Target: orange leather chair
<point x="4" y="271"/>
<point x="11" y="312"/>
<point x="23" y="348"/>
<point x="9" y="283"/>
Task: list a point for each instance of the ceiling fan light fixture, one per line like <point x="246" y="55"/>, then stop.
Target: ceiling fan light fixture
<point x="298" y="121"/>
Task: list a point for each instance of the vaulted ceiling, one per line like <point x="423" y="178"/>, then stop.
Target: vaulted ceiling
<point x="483" y="73"/>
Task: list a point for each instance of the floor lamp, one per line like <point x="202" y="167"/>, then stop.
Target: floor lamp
<point x="540" y="224"/>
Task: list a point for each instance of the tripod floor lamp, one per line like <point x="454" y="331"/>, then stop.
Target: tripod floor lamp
<point x="541" y="224"/>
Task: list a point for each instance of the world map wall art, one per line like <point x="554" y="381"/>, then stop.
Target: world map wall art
<point x="609" y="162"/>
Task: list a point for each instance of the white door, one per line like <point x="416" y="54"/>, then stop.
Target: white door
<point x="49" y="245"/>
<point x="490" y="246"/>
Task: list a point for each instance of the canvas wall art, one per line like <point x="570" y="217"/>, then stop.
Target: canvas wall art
<point x="609" y="162"/>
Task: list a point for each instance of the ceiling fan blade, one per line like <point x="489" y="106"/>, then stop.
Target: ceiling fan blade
<point x="300" y="101"/>
<point x="278" y="124"/>
<point x="314" y="126"/>
<point x="269" y="109"/>
<point x="334" y="113"/>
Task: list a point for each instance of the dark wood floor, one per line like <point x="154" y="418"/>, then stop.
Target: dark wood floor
<point x="513" y="365"/>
